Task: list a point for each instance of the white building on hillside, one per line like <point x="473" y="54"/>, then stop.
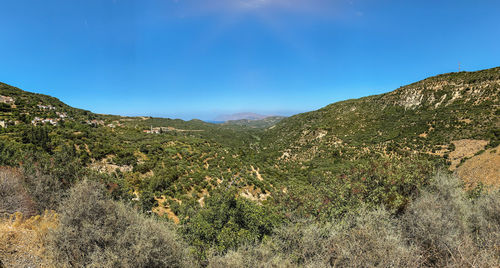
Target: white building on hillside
<point x="6" y="99"/>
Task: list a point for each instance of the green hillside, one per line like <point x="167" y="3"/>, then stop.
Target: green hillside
<point x="238" y="183"/>
<point x="443" y="108"/>
<point x="379" y="148"/>
<point x="261" y="123"/>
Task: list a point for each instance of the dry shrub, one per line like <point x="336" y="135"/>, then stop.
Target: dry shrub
<point x="13" y="196"/>
<point x="485" y="222"/>
<point x="95" y="231"/>
<point x="370" y="239"/>
<point x="452" y="230"/>
<point x="22" y="241"/>
<point x="250" y="256"/>
<point x="46" y="190"/>
<point x="367" y="239"/>
<point x="437" y="220"/>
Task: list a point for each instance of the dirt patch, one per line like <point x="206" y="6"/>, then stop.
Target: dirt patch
<point x="465" y="148"/>
<point x="165" y="210"/>
<point x="484" y="168"/>
<point x="257" y="173"/>
<point x="254" y="194"/>
<point x="104" y="166"/>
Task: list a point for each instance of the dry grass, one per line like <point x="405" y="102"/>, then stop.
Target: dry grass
<point x="22" y="241"/>
<point x="465" y="148"/>
<point x="483" y="168"/>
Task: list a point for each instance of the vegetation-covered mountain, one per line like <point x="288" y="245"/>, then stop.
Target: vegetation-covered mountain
<point x="240" y="116"/>
<point x="251" y="188"/>
<point x="428" y="113"/>
<point x="258" y="123"/>
<point x="436" y="117"/>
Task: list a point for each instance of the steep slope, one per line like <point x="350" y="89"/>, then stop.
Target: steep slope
<point x="381" y="149"/>
<point x="422" y="118"/>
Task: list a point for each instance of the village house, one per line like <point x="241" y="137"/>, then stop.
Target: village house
<point x="46" y="107"/>
<point x="6" y="99"/>
<point x="62" y="115"/>
<point x="3" y="124"/>
<point x="38" y="120"/>
<point x="95" y="122"/>
<point x="154" y="130"/>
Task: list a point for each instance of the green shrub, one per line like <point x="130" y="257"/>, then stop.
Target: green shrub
<point x="227" y="221"/>
<point x="363" y="239"/>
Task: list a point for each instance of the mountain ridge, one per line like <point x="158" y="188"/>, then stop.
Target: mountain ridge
<point x="439" y="121"/>
<point x="240" y="116"/>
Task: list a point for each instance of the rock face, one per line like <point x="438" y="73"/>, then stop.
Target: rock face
<point x="446" y="90"/>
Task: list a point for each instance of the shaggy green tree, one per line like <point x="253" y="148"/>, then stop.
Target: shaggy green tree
<point x="227" y="221"/>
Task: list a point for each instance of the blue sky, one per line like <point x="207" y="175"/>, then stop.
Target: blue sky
<point x="201" y="58"/>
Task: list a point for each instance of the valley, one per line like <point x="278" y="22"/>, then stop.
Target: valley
<point x="226" y="185"/>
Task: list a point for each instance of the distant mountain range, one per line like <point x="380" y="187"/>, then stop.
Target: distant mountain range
<point x="257" y="123"/>
<point x="240" y="116"/>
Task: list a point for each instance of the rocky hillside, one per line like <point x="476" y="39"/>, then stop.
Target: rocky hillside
<point x="441" y="117"/>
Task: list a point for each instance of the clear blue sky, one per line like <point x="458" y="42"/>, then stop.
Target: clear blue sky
<point x="200" y="58"/>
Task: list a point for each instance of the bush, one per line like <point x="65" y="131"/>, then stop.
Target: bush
<point x="371" y="239"/>
<point x="95" y="231"/>
<point x="485" y="223"/>
<point x="46" y="190"/>
<point x="452" y="230"/>
<point x="364" y="239"/>
<point x="227" y="222"/>
<point x="13" y="196"/>
<point x="48" y="178"/>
